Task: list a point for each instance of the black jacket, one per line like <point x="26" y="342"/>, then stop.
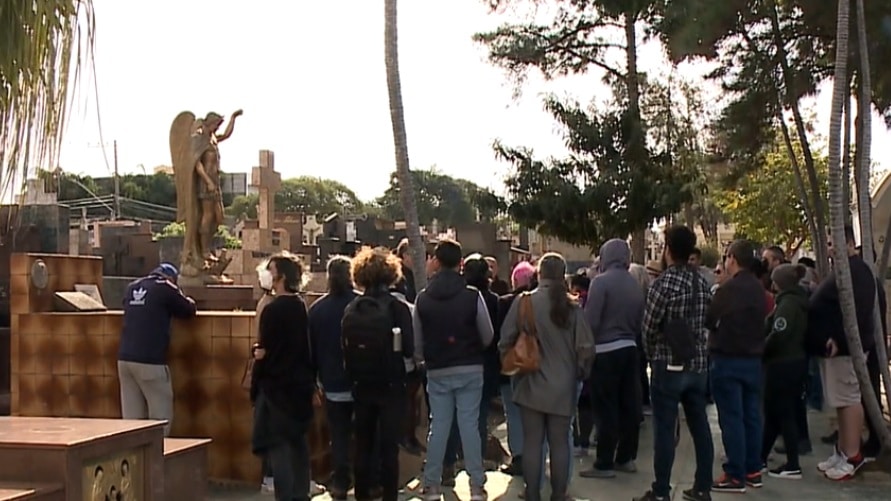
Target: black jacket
<point x="149" y="304"/>
<point x="825" y="317"/>
<point x="736" y="316"/>
<point x="786" y="327"/>
<point x="447" y="310"/>
<point x="325" y="316"/>
<point x="286" y="376"/>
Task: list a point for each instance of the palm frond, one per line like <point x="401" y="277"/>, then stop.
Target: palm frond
<point x="43" y="44"/>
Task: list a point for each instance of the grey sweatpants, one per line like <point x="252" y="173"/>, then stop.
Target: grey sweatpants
<point x="146" y="392"/>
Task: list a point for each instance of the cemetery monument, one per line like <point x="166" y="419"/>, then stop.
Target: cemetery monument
<point x="195" y="155"/>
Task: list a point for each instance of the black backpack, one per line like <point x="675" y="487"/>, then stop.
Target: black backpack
<point x="367" y="338"/>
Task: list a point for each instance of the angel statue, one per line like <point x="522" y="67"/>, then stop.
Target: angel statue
<point x="195" y="153"/>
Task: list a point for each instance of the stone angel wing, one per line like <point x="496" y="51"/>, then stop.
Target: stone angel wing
<point x="185" y="151"/>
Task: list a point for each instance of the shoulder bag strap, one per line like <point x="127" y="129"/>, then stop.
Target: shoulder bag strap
<point x="527" y="316"/>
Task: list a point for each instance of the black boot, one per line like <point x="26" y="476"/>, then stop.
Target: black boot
<point x="515" y="468"/>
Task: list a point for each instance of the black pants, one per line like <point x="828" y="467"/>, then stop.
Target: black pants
<point x="379" y="418"/>
<point x="583" y="424"/>
<point x="644" y="377"/>
<point x="804" y="434"/>
<point x="784" y="381"/>
<point x="340" y="424"/>
<point x="875" y="378"/>
<point x="615" y="392"/>
<point x="290" y="468"/>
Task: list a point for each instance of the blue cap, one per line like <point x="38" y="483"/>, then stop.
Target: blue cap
<point x="167" y="269"/>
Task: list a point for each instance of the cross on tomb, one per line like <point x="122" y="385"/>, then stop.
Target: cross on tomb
<point x="267" y="182"/>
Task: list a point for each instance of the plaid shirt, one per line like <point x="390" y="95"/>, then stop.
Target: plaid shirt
<point x="669" y="298"/>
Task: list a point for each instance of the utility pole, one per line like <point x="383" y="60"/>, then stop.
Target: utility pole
<point x="117" y="184"/>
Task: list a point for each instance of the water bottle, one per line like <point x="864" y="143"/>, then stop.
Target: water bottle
<point x="397" y="339"/>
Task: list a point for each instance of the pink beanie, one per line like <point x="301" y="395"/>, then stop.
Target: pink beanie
<point x="522" y="274"/>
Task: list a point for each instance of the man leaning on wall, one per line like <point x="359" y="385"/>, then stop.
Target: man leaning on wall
<point x="149" y="305"/>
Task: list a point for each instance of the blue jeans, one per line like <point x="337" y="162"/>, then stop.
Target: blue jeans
<point x="667" y="390"/>
<point x="736" y="387"/>
<point x="451" y="455"/>
<point x="451" y="394"/>
<point x="514" y="424"/>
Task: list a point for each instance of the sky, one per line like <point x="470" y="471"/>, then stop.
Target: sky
<point x="310" y="78"/>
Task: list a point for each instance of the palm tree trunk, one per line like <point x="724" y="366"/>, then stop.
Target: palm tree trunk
<point x="799" y="180"/>
<point x="820" y="246"/>
<point x="837" y="220"/>
<point x="864" y="202"/>
<point x="632" y="80"/>
<point x="400" y="144"/>
<point x="846" y="157"/>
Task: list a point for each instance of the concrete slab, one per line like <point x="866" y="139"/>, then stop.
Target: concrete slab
<point x="868" y="486"/>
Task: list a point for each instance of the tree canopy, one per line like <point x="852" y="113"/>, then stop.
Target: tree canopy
<point x="448" y="200"/>
<point x="764" y="204"/>
<point x="308" y="194"/>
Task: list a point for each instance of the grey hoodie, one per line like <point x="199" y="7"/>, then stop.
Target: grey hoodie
<point x="615" y="306"/>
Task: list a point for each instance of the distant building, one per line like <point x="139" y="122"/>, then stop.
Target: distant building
<point x="234" y="183"/>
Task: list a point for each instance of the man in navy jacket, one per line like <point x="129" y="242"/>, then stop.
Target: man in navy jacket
<point x="149" y="304"/>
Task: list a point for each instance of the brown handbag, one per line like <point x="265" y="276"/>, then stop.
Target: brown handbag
<point x="525" y="355"/>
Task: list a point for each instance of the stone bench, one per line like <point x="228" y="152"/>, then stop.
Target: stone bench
<point x="23" y="491"/>
<point x="185" y="469"/>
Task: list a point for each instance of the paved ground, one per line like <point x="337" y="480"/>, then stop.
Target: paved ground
<point x="871" y="484"/>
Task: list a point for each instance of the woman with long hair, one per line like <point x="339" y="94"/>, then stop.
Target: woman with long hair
<point x="545" y="397"/>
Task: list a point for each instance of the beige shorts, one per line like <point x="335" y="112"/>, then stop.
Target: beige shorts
<point x="840" y="385"/>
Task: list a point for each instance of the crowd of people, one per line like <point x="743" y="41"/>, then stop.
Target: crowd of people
<point x="578" y="361"/>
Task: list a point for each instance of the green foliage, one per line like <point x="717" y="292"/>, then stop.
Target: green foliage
<point x="179" y="229"/>
<point x="315" y="195"/>
<point x="764" y="205"/>
<point x="42" y="46"/>
<point x="753" y="41"/>
<point x="448" y="200"/>
<point x="230" y="241"/>
<point x="711" y="256"/>
<point x="244" y="206"/>
<point x="594" y="194"/>
<point x="312" y="195"/>
<point x="172" y="230"/>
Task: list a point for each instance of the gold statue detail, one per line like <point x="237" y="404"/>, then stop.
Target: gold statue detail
<point x="195" y="153"/>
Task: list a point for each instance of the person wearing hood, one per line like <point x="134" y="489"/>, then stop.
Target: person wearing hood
<point x="785" y="367"/>
<point x="149" y="305"/>
<point x="452" y="329"/>
<point x="615" y="311"/>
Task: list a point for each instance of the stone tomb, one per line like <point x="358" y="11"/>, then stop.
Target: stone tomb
<point x="83" y="459"/>
<point x="66" y="459"/>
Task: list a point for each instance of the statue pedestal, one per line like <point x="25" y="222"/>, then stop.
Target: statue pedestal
<point x="221" y="297"/>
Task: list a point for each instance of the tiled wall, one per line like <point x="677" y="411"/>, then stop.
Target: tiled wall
<point x="64" y="364"/>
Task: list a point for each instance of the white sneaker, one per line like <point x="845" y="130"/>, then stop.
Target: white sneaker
<point x="834" y="460"/>
<point x="315" y="489"/>
<point x="841" y="471"/>
<point x="267" y="487"/>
